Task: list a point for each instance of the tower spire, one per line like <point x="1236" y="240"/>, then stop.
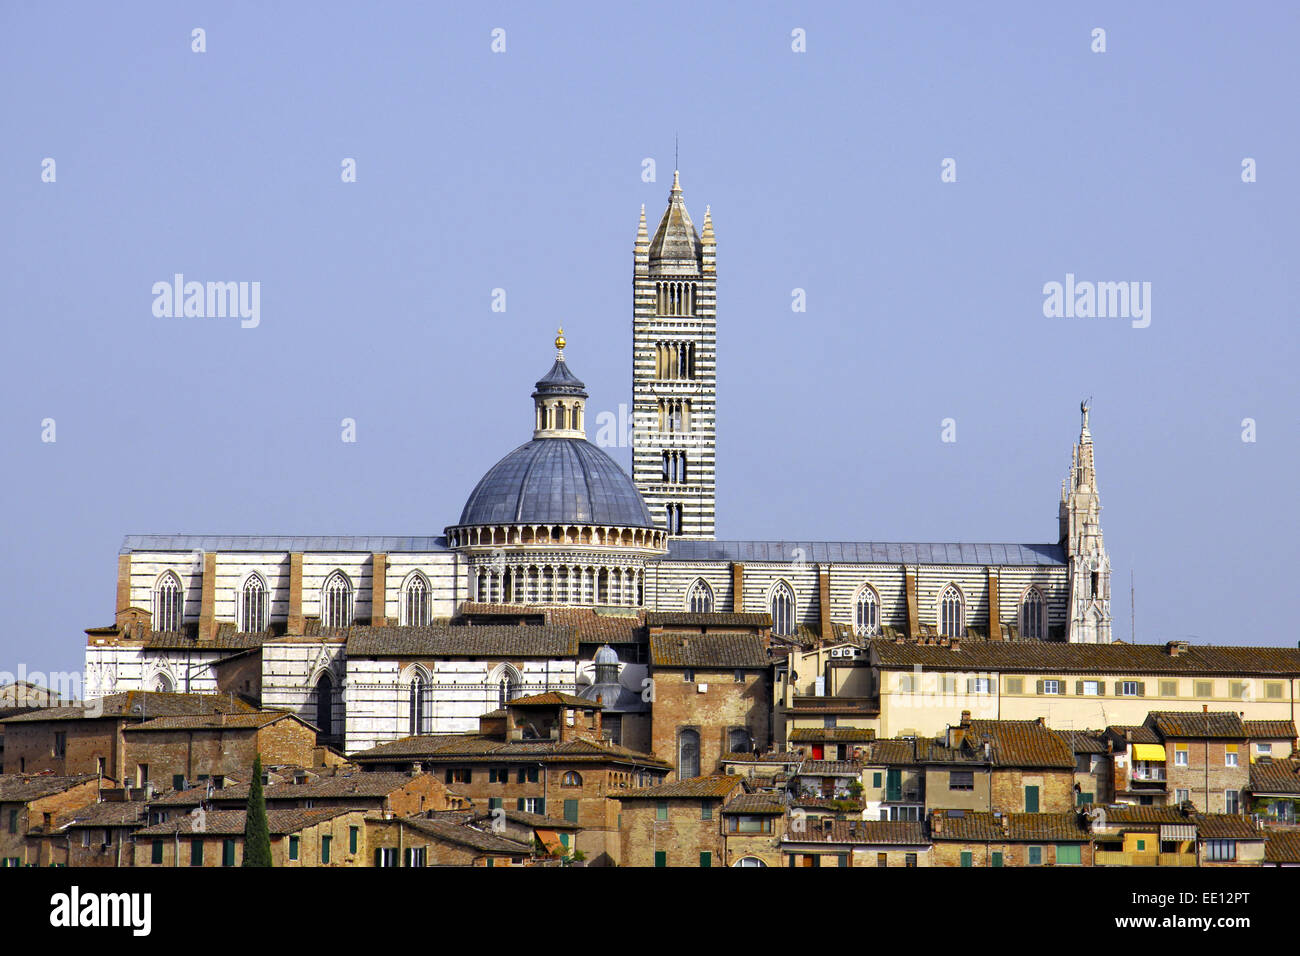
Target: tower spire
<point x="1085" y="549"/>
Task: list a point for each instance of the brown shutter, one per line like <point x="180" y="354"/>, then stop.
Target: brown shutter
<point x="1078" y="688"/>
<point x="1119" y="688"/>
<point x="1142" y="689"/>
<point x="1040" y="687"/>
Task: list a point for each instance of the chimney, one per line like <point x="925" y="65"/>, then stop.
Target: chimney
<point x="1174" y="648"/>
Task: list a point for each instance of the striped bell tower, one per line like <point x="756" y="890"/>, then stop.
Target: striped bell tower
<point x="674" y="370"/>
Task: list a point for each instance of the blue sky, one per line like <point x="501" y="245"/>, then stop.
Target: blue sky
<point x="522" y="170"/>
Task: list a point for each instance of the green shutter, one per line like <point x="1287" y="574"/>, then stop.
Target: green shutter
<point x="844" y="859"/>
<point x="1119" y="688"/>
<point x="1078" y="688"/>
<point x="966" y="858"/>
<point x="519" y="804"/>
<point x="196" y="852"/>
<point x="706" y="859"/>
<point x="494" y="803"/>
<point x="1142" y="688"/>
<point x="661" y="858"/>
<point x="1040" y="687"/>
<point x="571" y="810"/>
<point x="379" y="857"/>
<point x="997" y="857"/>
<point x="157" y="852"/>
<point x="228" y="852"/>
<point x="1069" y="855"/>
<point x="325" y="849"/>
<point x="293" y="847"/>
<point x="353" y="833"/>
<point x="875" y="780"/>
<point x="1035" y="856"/>
<point x="1031" y="799"/>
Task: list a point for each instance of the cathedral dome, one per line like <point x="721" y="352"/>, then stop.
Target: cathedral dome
<point x="556" y="481"/>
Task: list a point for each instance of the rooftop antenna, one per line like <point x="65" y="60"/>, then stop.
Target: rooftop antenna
<point x="1132" y="609"/>
<point x="675" y="166"/>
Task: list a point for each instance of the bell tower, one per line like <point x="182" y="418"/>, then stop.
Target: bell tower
<point x="674" y="370"/>
<point x="1085" y="551"/>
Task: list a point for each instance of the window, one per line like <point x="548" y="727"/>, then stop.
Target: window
<point x="1231" y="801"/>
<point x="252" y="605"/>
<point x="1089" y="688"/>
<point x="783" y="609"/>
<point x="168" y="603"/>
<point x="706" y="859"/>
<point x="738" y="677"/>
<point x="571" y="810"/>
<point x="1051" y="687"/>
<point x="1180" y="755"/>
<point x="386" y="856"/>
<point x="526" y="775"/>
<point x="967" y="858"/>
<point x="1220" y="851"/>
<point x="750" y="861"/>
<point x="1204" y="688"/>
<point x="228" y="851"/>
<point x="1230" y="755"/>
<point x="354" y="835"/>
<point x="661" y="858"/>
<point x="1264" y="750"/>
<point x="1181" y="795"/>
<point x="1069" y="855"/>
<point x="416" y="855"/>
<point x="532" y="805"/>
<point x="196" y="851"/>
<point x="1015" y="685"/>
<point x="324" y="694"/>
<point x="459" y="775"/>
<point x="1032" y="618"/>
<point x="979" y="685"/>
<point x="13" y="821"/>
<point x="1035" y="856"/>
<point x="951" y="619"/>
<point x="415" y="601"/>
<point x="909" y="860"/>
<point x="688" y="676"/>
<point x="910" y="814"/>
<point x="1238" y="690"/>
<point x="156" y="852"/>
<point x="661" y="810"/>
<point x="60" y="743"/>
<point x="336" y="601"/>
<point x="706" y="810"/>
<point x="739" y="741"/>
<point x="961" y="780"/>
<point x="1031" y="799"/>
<point x="1273" y="690"/>
<point x="882" y="859"/>
<point x="417" y="705"/>
<point x="867" y="615"/>
<point x="325" y="842"/>
<point x="996" y="858"/>
<point x="700" y="598"/>
<point x="1169" y="688"/>
<point x="688" y="754"/>
<point x="571" y="779"/>
<point x="1130" y="688"/>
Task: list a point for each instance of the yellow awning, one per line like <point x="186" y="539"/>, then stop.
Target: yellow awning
<point x="1149" y="752"/>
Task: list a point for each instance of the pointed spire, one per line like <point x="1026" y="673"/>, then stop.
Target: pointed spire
<point x="641" y="235"/>
<point x="677" y="184"/>
<point x="707" y="235"/>
<point x="676" y="237"/>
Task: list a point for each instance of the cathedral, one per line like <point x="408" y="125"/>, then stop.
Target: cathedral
<point x="547" y="578"/>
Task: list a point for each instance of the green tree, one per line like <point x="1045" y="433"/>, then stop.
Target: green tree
<point x="257" y="833"/>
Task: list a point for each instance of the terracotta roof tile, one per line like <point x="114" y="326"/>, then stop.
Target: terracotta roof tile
<point x="1197" y="724"/>
<point x="716" y="785"/>
<point x="1282" y="846"/>
<point x="742" y="651"/>
<point x="861" y="832"/>
<point x="831" y="735"/>
<point x="231" y="822"/>
<point x="1023" y="743"/>
<point x="1275" y="776"/>
<point x="24" y="787"/>
<point x="1270" y="729"/>
<point x="714" y="619"/>
<point x="479" y="640"/>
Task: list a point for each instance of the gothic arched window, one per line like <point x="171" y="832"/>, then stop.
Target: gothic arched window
<point x="324" y="694"/>
<point x="783" y="608"/>
<point x="415" y="601"/>
<point x="168" y="603"/>
<point x="866" y="620"/>
<point x="252" y="605"/>
<point x="700" y="599"/>
<point x="688" y="754"/>
<point x="1033" y="618"/>
<point x="739" y="741"/>
<point x="336" y="601"/>
<point x="951" y="621"/>
<point x="418" y="705"/>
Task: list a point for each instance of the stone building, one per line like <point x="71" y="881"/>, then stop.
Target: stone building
<point x="31" y="808"/>
<point x="328" y="836"/>
<point x="969" y="838"/>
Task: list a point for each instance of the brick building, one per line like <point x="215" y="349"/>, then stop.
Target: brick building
<point x="968" y="839"/>
<point x="333" y="836"/>
<point x="702" y="822"/>
<point x="31" y="806"/>
<point x="442" y="839"/>
<point x="832" y="842"/>
<point x="712" y="697"/>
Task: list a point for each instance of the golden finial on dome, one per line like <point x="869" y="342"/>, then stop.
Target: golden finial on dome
<point x="559" y="338"/>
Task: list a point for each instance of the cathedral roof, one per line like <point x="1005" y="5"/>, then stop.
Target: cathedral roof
<point x="559" y="380"/>
<point x="869" y="552"/>
<point x="556" y="481"/>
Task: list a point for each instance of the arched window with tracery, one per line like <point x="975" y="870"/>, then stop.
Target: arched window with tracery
<point x="324" y="694"/>
<point x="688" y="754"/>
<point x="1033" y="615"/>
<point x="253" y="605"/>
<point x="783" y="609"/>
<point x="700" y="598"/>
<point x="418" y="704"/>
<point x="336" y="601"/>
<point x="168" y="603"/>
<point x="951" y="617"/>
<point x="866" y="619"/>
<point x="415" y="601"/>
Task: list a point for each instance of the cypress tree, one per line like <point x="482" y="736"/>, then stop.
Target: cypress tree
<point x="257" y="833"/>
